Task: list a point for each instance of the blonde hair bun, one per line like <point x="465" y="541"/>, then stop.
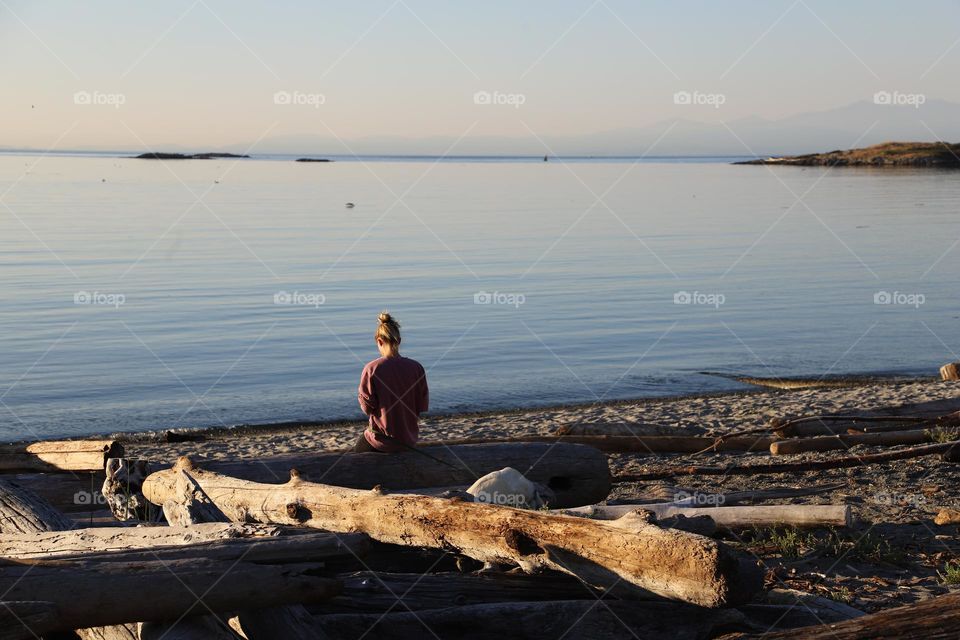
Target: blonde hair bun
<point x="389" y="329"/>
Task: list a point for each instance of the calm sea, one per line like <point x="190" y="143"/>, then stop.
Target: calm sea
<point x="142" y="295"/>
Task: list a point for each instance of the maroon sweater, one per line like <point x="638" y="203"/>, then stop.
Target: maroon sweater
<point x="393" y="392"/>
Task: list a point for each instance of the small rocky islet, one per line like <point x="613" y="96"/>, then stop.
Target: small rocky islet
<point x="889" y="154"/>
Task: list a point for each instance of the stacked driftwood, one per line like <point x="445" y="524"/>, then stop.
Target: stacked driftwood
<point x="347" y="545"/>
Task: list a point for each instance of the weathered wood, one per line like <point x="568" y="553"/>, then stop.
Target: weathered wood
<point x="576" y="474"/>
<point x="950" y="371"/>
<point x="378" y="592"/>
<point x="121" y="488"/>
<point x="289" y="623"/>
<point x="256" y="543"/>
<point x="21" y="511"/>
<point x="190" y="505"/>
<point x="23" y="620"/>
<point x="845" y="441"/>
<point x="73" y="493"/>
<point x="97" y="592"/>
<point x="193" y="628"/>
<point x="669" y="563"/>
<point x="933" y="619"/>
<point x="626" y="429"/>
<point x="823" y="425"/>
<point x="632" y="444"/>
<point x="798" y="515"/>
<point x="58" y="455"/>
<point x="571" y="620"/>
<point x="792" y="467"/>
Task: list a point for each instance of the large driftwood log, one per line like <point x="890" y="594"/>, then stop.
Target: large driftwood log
<point x="18" y="619"/>
<point x="933" y="619"/>
<point x="571" y="620"/>
<point x="23" y="511"/>
<point x="576" y="474"/>
<point x="845" y="441"/>
<point x="77" y="541"/>
<point x="668" y="563"/>
<point x="58" y="455"/>
<point x="792" y="467"/>
<point x="633" y="444"/>
<point x="89" y="593"/>
<point x="377" y="592"/>
<point x="798" y="515"/>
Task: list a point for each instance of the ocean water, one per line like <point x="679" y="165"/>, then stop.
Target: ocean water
<point x="141" y="295"/>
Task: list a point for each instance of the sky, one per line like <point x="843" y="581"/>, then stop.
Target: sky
<point x="208" y="74"/>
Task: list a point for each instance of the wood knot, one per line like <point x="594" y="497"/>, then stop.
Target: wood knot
<point x="298" y="512"/>
<point x="294" y="475"/>
<point x="184" y="463"/>
<point x="377" y="490"/>
<point x="521" y="543"/>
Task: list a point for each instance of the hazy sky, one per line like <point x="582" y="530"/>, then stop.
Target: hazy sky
<point x="204" y="73"/>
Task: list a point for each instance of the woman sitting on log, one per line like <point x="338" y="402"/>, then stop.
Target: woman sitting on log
<point x="393" y="392"/>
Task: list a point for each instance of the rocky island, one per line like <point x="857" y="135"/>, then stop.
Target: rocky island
<point x="888" y="154"/>
<point x="156" y="155"/>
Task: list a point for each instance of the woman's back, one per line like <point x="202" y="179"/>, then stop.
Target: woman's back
<point x="393" y="392"/>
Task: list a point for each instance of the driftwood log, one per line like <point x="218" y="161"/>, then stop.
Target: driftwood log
<point x="633" y="443"/>
<point x="76" y="494"/>
<point x="576" y="474"/>
<point x="845" y="441"/>
<point x="58" y="455"/>
<point x="653" y="560"/>
<point x="794" y="467"/>
<point x="933" y="619"/>
<point x="798" y="515"/>
<point x="96" y="592"/>
<point x="571" y="620"/>
<point x="378" y="592"/>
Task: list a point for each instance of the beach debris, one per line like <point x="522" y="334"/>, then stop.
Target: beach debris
<point x="49" y="544"/>
<point x="933" y="618"/>
<point x="22" y="511"/>
<point x="121" y="488"/>
<point x="633" y="443"/>
<point x="947" y="516"/>
<point x="822" y="425"/>
<point x="95" y="589"/>
<point x="349" y="205"/>
<point x="793" y="467"/>
<point x="741" y="517"/>
<point x="825" y="609"/>
<point x="576" y="474"/>
<point x="950" y="371"/>
<point x="845" y="441"/>
<point x="58" y="455"/>
<point x="626" y="429"/>
<point x="508" y="487"/>
<point x="669" y="563"/>
<point x="583" y="618"/>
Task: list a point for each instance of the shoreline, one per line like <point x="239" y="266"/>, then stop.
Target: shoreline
<point x="288" y="426"/>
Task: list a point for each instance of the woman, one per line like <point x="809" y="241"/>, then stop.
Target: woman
<point x="393" y="392"/>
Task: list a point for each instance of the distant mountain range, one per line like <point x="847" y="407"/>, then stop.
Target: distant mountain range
<point x="859" y="124"/>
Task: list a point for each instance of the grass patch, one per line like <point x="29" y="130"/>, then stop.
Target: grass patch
<point x="951" y="573"/>
<point x="944" y="434"/>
